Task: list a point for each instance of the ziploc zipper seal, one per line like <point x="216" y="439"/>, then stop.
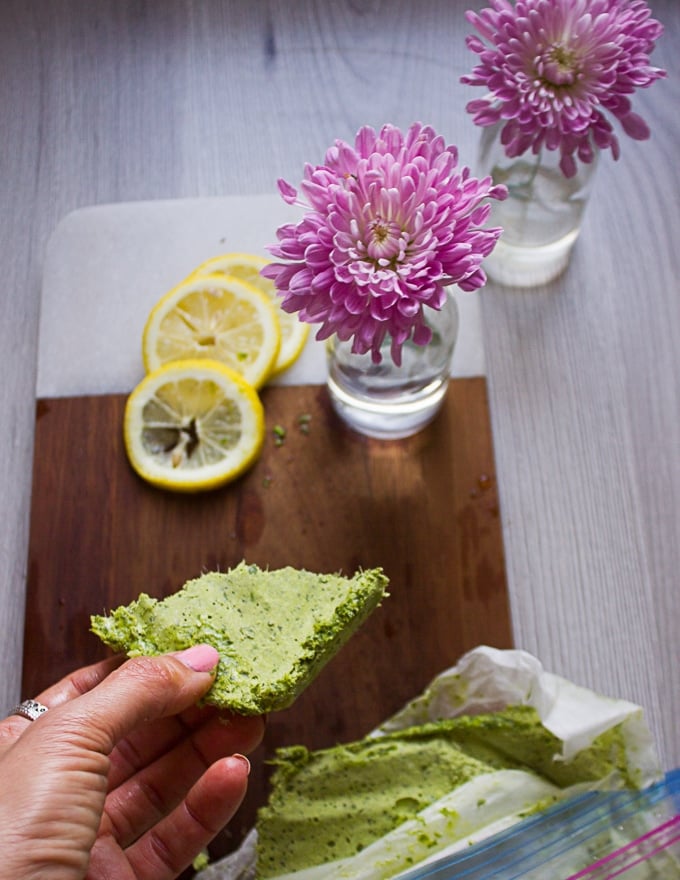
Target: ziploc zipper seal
<point x="634" y="834"/>
<point x="662" y="841"/>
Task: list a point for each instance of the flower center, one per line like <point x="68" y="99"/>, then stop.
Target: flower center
<point x="385" y="240"/>
<point x="559" y="65"/>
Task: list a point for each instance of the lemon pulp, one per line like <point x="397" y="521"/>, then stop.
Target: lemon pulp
<point x="217" y="317"/>
<point x="193" y="425"/>
<point x="247" y="268"/>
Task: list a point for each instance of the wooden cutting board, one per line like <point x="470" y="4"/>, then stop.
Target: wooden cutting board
<point x="425" y="509"/>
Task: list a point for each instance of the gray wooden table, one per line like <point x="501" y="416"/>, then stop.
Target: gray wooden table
<point x="123" y="100"/>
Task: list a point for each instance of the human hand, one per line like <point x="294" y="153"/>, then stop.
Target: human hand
<point x="125" y="777"/>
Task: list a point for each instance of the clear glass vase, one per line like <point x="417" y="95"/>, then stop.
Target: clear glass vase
<point x="384" y="400"/>
<point x="541" y="217"/>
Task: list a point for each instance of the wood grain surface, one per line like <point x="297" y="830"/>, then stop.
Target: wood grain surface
<point x="425" y="509"/>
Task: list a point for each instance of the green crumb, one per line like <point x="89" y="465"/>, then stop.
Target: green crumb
<point x="304" y="421"/>
<point x="279" y="433"/>
<point x="201" y="861"/>
<point x="274" y="630"/>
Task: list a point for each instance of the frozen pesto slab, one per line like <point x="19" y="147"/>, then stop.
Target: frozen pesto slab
<point x="331" y="804"/>
<point x="274" y="630"/>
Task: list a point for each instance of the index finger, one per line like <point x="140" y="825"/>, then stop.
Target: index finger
<point x="141" y="690"/>
<point x="79" y="682"/>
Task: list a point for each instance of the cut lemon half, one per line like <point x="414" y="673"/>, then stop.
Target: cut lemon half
<point x="217" y="317"/>
<point x="247" y="267"/>
<point x="193" y="425"/>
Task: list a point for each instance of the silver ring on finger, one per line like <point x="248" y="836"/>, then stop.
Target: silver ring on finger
<point x="30" y="709"/>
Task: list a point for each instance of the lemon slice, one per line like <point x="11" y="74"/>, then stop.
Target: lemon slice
<point x="193" y="425"/>
<point x="216" y="317"/>
<point x="247" y="267"/>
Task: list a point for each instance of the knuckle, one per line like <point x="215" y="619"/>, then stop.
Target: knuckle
<point x="151" y="669"/>
<point x="160" y="680"/>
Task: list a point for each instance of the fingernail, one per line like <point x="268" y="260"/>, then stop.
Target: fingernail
<point x="200" y="658"/>
<point x="243" y="760"/>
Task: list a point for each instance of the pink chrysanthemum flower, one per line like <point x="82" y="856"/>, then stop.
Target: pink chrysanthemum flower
<point x="389" y="224"/>
<point x="552" y="67"/>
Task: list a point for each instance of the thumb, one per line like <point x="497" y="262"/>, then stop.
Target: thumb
<point x="143" y="689"/>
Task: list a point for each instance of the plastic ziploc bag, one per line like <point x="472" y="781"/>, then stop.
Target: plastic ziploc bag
<point x="595" y="836"/>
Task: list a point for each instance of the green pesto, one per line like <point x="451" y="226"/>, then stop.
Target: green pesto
<point x="331" y="804"/>
<point x="201" y="861"/>
<point x="274" y="630"/>
<point x="516" y="734"/>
